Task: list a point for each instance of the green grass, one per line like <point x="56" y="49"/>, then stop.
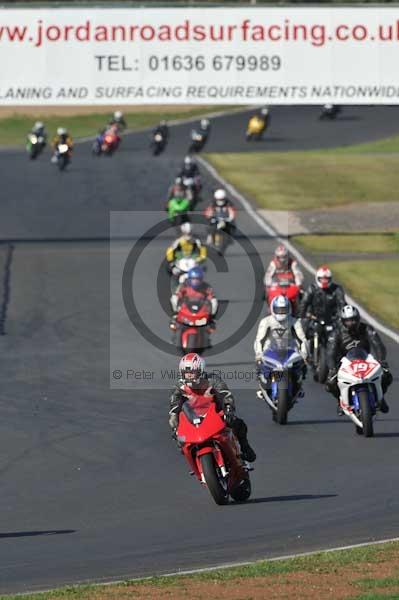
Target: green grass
<point x="385" y="145"/>
<point x="372" y="584"/>
<point x="323" y="562"/>
<point x="374" y="283"/>
<point x="368" y="242"/>
<point x="309" y="180"/>
<point x="13" y="130"/>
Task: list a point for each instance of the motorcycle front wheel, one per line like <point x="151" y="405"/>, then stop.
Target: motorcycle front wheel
<point x="242" y="491"/>
<point x="366" y="416"/>
<point x="282" y="406"/>
<point x="216" y="486"/>
<point x="62" y="162"/>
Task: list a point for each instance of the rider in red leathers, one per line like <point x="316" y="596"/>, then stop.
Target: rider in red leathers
<point x="282" y="264"/>
<point x="194" y="288"/>
<point x="221" y="208"/>
<point x="194" y="379"/>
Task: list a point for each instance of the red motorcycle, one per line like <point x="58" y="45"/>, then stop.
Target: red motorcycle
<point x="111" y="141"/>
<point x="284" y="286"/>
<point x="212" y="450"/>
<point x="193" y="325"/>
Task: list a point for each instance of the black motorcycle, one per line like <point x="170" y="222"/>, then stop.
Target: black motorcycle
<point x="198" y="141"/>
<point x="318" y="332"/>
<point x="330" y="111"/>
<point x="158" y="143"/>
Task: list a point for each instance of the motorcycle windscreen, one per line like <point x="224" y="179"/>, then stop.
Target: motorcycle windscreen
<point x="280" y="351"/>
<point x="201" y="421"/>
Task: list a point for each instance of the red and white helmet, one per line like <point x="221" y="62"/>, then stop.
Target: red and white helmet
<point x="323" y="277"/>
<point x="192" y="368"/>
<point x="281" y="255"/>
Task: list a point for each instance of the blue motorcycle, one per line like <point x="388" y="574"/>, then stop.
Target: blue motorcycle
<point x="280" y="380"/>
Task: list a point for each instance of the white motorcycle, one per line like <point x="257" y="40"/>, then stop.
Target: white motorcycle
<point x="359" y="382"/>
<point x="61" y="156"/>
<point x="181" y="268"/>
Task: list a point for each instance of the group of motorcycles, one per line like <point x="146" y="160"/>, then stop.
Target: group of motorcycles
<point x="260" y="122"/>
<point x="282" y="371"/>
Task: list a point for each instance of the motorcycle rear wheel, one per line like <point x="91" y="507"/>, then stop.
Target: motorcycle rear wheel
<point x="215" y="487"/>
<point x="367" y="417"/>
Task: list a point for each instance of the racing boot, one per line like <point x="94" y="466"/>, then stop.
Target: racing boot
<point x="340" y="412"/>
<point x="383" y="406"/>
<point x="240" y="431"/>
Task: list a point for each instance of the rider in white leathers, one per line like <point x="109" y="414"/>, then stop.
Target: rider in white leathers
<point x="280" y="327"/>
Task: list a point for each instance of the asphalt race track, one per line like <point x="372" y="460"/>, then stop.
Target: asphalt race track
<point x="92" y="485"/>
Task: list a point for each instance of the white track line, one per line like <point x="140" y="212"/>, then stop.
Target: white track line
<point x="216" y="568"/>
<point x="270" y="231"/>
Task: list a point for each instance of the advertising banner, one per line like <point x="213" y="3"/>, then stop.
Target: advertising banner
<point x="283" y="55"/>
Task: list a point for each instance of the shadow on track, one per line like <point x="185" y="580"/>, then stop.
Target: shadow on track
<point x="318" y="422"/>
<point x="294" y="497"/>
<point x="17" y="534"/>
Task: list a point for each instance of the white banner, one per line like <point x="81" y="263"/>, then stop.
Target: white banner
<point x="215" y="55"/>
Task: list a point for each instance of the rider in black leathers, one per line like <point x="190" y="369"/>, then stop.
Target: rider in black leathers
<point x="189" y="169"/>
<point x="162" y="129"/>
<point x="353" y="333"/>
<point x="323" y="300"/>
<point x="212" y="383"/>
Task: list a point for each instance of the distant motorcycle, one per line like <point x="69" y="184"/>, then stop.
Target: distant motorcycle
<point x="359" y="382"/>
<point x="35" y="144"/>
<point x="256" y="128"/>
<point x="280" y="380"/>
<point x="181" y="266"/>
<point x="198" y="141"/>
<point x="192" y="186"/>
<point x="211" y="450"/>
<point x="62" y="156"/>
<point x="158" y="144"/>
<point x="106" y="144"/>
<point x="330" y="111"/>
<point x="284" y="286"/>
<point x="193" y="326"/>
<point x="177" y="209"/>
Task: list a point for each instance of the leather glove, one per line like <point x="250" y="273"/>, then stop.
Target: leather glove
<point x="173" y="421"/>
<point x="229" y="415"/>
<point x="330" y="382"/>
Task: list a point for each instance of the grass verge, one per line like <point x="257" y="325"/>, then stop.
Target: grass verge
<point x="310" y="180"/>
<point x="368" y="242"/>
<point x="366" y="572"/>
<point x="14" y="128"/>
<point x="385" y="145"/>
<point x="374" y="283"/>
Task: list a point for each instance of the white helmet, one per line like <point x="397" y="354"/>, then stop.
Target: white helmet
<point x="220" y="197"/>
<point x="264" y="111"/>
<point x="38" y="125"/>
<point x="118" y="115"/>
<point x="188" y="161"/>
<point x="186" y="229"/>
<point x="204" y="123"/>
<point x="323" y="277"/>
<point x="61" y="131"/>
<point x="280" y="308"/>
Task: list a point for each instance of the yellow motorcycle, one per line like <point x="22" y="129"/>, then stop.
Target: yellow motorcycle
<point x="256" y="126"/>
